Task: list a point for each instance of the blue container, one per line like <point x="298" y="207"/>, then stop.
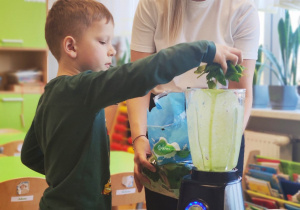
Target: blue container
<point x="283" y="97"/>
<point x="261" y="97"/>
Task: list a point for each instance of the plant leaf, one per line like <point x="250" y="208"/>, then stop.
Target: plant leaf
<point x="270" y="56"/>
<point x="296" y="40"/>
<point x="200" y="69"/>
<point x="211" y="84"/>
<point x="255" y="77"/>
<point x="221" y="77"/>
<point x="215" y="74"/>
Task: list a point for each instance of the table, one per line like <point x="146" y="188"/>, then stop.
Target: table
<point x="9" y="137"/>
<point x="12" y="168"/>
<point x="121" y="162"/>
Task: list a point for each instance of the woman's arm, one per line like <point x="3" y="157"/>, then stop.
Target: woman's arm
<point x="137" y="113"/>
<point x="110" y="113"/>
<point x="246" y="83"/>
<point x="246" y="38"/>
<point x="137" y="107"/>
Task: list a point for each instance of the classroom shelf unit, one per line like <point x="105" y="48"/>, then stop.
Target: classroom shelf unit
<point x="22" y="38"/>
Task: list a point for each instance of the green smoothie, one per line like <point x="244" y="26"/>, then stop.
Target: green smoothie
<point x="215" y="127"/>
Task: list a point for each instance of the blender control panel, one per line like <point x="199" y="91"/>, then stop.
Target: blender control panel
<point x="196" y="205"/>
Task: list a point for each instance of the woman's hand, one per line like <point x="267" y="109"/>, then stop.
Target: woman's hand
<point x="141" y="152"/>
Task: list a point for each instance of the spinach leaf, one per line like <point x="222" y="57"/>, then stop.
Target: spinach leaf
<point x="215" y="73"/>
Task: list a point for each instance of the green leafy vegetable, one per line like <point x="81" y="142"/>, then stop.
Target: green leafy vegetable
<point x="175" y="172"/>
<point x="215" y="73"/>
<point x="169" y="175"/>
<point x="183" y="153"/>
<point x="154" y="176"/>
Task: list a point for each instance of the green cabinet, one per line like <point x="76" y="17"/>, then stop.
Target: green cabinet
<point x="17" y="110"/>
<point x="22" y="23"/>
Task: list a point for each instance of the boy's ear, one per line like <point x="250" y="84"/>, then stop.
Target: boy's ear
<point x="69" y="46"/>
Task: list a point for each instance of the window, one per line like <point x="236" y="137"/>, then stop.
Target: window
<point x="270" y="40"/>
<point x="295" y="20"/>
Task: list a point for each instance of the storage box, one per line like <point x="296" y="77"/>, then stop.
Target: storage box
<point x="21" y="77"/>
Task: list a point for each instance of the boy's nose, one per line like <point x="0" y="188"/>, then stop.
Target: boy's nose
<point x="112" y="51"/>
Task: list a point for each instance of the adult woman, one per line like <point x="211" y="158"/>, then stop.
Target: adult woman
<point x="161" y="23"/>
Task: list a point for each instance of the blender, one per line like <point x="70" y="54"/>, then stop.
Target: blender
<point x="215" y="128"/>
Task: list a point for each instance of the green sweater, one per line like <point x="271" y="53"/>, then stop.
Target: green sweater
<point x="68" y="141"/>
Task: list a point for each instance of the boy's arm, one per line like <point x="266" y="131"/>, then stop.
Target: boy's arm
<point x="31" y="154"/>
<point x="136" y="79"/>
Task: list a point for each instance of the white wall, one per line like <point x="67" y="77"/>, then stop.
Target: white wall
<point x="123" y="13"/>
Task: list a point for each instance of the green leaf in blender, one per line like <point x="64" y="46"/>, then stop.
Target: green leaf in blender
<point x="200" y="70"/>
<point x="211" y="84"/>
<point x="215" y="73"/>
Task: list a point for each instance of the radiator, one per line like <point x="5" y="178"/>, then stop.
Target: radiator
<point x="270" y="145"/>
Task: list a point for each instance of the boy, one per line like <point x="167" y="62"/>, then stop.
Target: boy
<point x="67" y="140"/>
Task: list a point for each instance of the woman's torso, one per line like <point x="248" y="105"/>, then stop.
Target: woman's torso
<point x="218" y="21"/>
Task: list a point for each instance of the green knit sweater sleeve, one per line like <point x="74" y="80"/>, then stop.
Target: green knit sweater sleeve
<point x="31" y="153"/>
<point x="136" y="79"/>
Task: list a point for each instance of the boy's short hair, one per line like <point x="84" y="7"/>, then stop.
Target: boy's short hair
<point x="72" y="18"/>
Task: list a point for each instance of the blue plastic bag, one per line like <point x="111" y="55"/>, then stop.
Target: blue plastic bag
<point x="167" y="129"/>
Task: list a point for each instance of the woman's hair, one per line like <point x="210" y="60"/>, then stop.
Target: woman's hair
<point x="173" y="13"/>
<point x="72" y="18"/>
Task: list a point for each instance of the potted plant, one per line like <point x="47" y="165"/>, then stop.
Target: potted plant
<point x="260" y="92"/>
<point x="285" y="96"/>
<point x="126" y="55"/>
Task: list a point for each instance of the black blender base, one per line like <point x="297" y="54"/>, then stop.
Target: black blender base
<point x="193" y="194"/>
<point x="211" y="191"/>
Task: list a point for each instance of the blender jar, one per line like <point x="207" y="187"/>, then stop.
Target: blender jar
<point x="215" y="127"/>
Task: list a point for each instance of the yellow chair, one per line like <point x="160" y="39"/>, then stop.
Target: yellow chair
<point x="12" y="148"/>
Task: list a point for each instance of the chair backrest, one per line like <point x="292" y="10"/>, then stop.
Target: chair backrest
<point x="12" y="148"/>
<point x="22" y="193"/>
<point x="124" y="191"/>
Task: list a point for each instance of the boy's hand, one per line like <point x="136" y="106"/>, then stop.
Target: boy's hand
<point x="224" y="53"/>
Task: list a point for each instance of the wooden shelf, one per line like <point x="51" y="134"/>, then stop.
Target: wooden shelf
<point x="276" y="114"/>
<point x="14" y="59"/>
<point x="22" y="49"/>
<point x="23" y="45"/>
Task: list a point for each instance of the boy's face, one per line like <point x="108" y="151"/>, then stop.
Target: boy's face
<point x="94" y="49"/>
